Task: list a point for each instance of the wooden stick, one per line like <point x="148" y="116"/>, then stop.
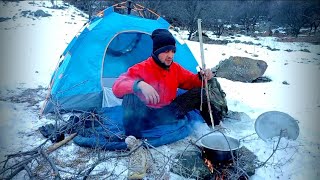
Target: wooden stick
<point x="204" y="67"/>
<point x="59" y="144"/>
<point x="201" y="45"/>
<point x="53" y="166"/>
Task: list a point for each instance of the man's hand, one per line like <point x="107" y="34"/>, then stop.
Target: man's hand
<point x="207" y="74"/>
<point x="149" y="92"/>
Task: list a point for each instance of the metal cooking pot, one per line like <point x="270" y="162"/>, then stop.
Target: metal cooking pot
<point x="218" y="148"/>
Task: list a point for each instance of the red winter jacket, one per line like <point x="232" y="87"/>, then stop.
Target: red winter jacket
<point x="165" y="82"/>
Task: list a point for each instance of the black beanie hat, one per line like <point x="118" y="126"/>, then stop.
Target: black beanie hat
<point x="162" y="41"/>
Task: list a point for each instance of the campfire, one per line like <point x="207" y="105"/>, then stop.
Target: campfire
<point x="220" y="170"/>
<point x="204" y="167"/>
<point x="226" y="169"/>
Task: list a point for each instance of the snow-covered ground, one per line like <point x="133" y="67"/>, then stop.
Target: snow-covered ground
<point x="30" y="50"/>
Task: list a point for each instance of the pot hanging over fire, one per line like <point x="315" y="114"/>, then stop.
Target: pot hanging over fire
<point x="219" y="148"/>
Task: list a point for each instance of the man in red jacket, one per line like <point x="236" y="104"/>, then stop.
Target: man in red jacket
<point x="149" y="89"/>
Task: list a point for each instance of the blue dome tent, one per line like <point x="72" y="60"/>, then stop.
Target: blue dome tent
<point x="105" y="48"/>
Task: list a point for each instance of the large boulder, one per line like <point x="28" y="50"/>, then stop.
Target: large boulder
<point x="240" y="69"/>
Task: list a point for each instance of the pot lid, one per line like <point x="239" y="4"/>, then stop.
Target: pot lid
<point x="270" y="124"/>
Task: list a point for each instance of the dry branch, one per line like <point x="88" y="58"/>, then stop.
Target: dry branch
<point x="274" y="150"/>
<point x="33" y="154"/>
<point x="53" y="166"/>
<point x="61" y="143"/>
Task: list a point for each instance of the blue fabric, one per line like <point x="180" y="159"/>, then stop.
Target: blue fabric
<point x="105" y="136"/>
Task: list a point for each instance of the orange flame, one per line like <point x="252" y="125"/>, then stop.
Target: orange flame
<point x="209" y="164"/>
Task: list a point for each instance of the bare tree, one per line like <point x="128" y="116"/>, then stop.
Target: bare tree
<point x="89" y="4"/>
<point x="217" y="16"/>
<point x="154" y="5"/>
<point x="54" y="3"/>
<point x="312" y="14"/>
<point x="250" y="12"/>
<point x="188" y="13"/>
<point x="293" y="12"/>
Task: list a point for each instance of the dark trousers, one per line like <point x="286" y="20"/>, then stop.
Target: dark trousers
<point x="137" y="116"/>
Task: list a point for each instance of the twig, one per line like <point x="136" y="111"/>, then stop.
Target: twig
<point x="274" y="150"/>
<point x="162" y="171"/>
<point x="106" y="158"/>
<point x="194" y="143"/>
<point x="173" y="161"/>
<point x="28" y="171"/>
<point x="68" y="172"/>
<point x="243" y="172"/>
<point x="19" y="164"/>
<point x="53" y="166"/>
<point x="233" y="159"/>
<point x="247" y="136"/>
<point x="103" y="127"/>
<point x="33" y="154"/>
<point x="27" y="153"/>
<point x="15" y="172"/>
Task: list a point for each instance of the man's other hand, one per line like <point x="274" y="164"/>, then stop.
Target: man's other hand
<point x="207" y="74"/>
<point x="149" y="92"/>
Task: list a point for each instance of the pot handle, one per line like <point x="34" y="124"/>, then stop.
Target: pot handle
<point x="199" y="147"/>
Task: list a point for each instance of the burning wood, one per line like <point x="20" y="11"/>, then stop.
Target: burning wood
<point x="223" y="170"/>
<point x="213" y="167"/>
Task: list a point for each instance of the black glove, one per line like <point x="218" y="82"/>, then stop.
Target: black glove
<point x="49" y="131"/>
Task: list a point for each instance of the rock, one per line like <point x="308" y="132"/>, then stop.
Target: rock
<point x="41" y="13"/>
<point x="191" y="165"/>
<point x="272" y="49"/>
<point x="2" y="19"/>
<point x="241" y="69"/>
<point x="25" y="13"/>
<point x="305" y="50"/>
<point x="262" y="79"/>
<point x="285" y="83"/>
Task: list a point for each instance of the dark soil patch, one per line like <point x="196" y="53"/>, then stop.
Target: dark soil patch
<point x="30" y="96"/>
<point x="309" y="39"/>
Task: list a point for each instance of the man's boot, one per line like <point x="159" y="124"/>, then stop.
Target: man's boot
<point x="137" y="167"/>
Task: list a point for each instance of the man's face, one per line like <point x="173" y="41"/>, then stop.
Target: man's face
<point x="166" y="57"/>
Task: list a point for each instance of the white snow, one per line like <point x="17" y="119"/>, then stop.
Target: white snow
<point x="30" y="50"/>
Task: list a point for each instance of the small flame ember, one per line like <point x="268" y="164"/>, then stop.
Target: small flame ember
<point x="209" y="164"/>
<point x="211" y="168"/>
